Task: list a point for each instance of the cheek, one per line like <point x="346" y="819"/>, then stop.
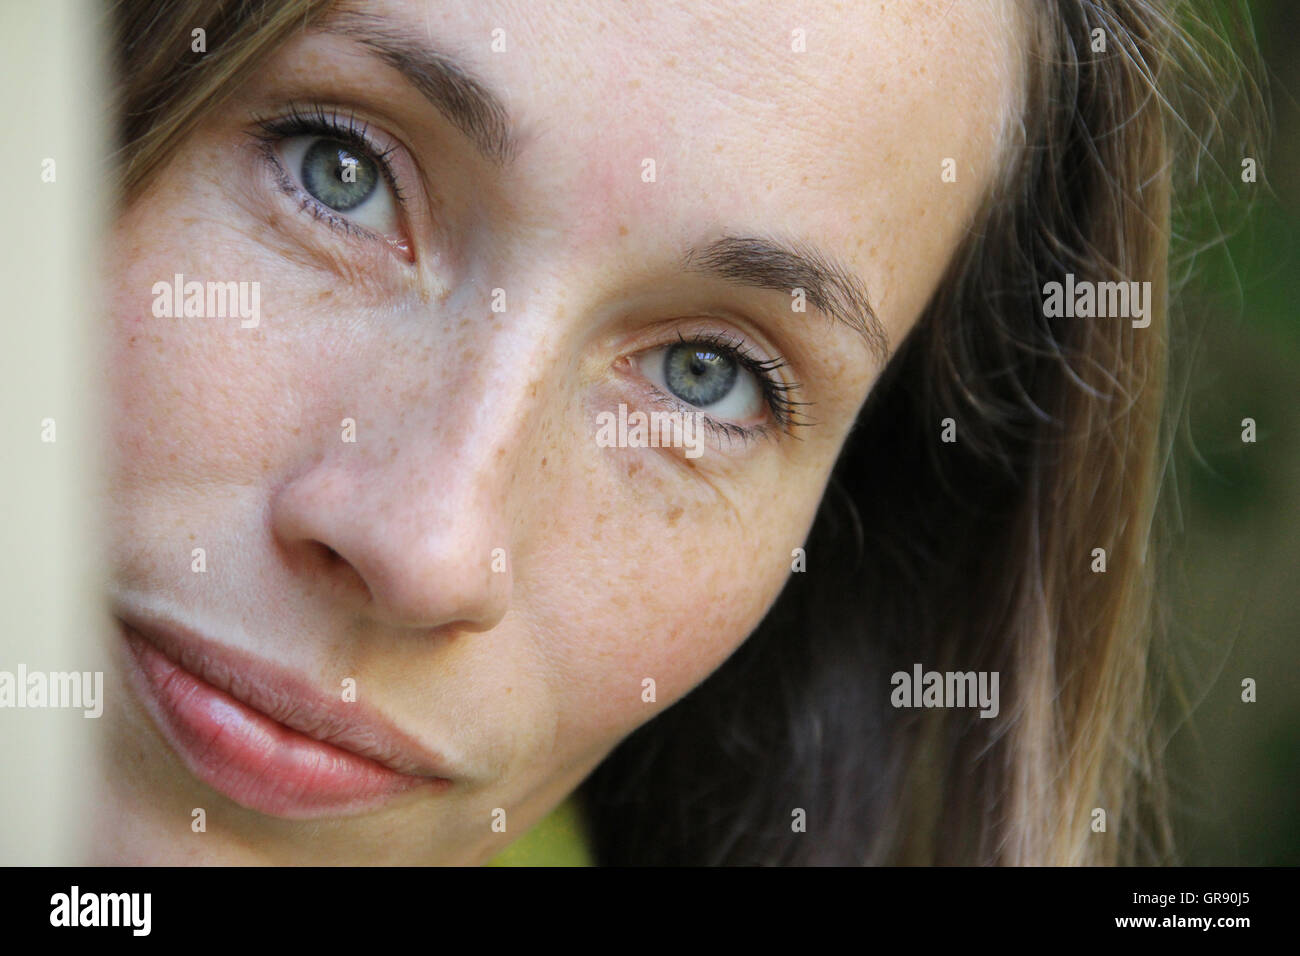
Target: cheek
<point x="152" y="367"/>
<point x="663" y="577"/>
<point x="214" y="397"/>
<point x="178" y="382"/>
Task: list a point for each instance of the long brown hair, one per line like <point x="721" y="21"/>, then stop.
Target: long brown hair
<point x="973" y="555"/>
<point x="980" y="555"/>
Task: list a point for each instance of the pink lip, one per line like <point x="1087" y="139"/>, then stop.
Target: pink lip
<point x="264" y="737"/>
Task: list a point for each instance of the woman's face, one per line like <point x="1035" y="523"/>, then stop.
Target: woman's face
<point x="418" y="542"/>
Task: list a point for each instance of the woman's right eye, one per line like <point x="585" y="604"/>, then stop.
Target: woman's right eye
<point x="344" y="178"/>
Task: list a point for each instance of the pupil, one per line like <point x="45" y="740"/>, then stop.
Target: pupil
<point x="701" y="361"/>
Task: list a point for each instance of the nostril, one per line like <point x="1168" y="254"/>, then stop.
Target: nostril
<point x="333" y="567"/>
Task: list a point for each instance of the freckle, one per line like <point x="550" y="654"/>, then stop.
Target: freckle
<point x="601" y="517"/>
<point x="296" y="430"/>
<point x="543" y="461"/>
<point x="326" y="294"/>
<point x="622" y="230"/>
<point x="192" y="537"/>
<point x="266" y="464"/>
<point x="633" y="468"/>
<point x="501" y="451"/>
<point x="633" y="84"/>
<point x="673" y="515"/>
<point x="172" y="456"/>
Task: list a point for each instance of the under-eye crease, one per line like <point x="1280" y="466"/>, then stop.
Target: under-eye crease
<point x="340" y="132"/>
<point x="709" y="348"/>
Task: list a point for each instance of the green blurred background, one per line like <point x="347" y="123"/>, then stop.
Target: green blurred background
<point x="1231" y="610"/>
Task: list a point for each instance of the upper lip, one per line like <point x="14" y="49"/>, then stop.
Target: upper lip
<point x="287" y="698"/>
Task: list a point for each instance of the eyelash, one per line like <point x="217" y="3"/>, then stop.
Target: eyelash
<point x="776" y="393"/>
<point x="317" y="120"/>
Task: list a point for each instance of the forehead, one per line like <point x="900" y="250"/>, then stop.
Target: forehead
<point x="822" y="121"/>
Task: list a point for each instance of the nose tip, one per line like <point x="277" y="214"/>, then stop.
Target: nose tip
<point x="434" y="587"/>
<point x="411" y="562"/>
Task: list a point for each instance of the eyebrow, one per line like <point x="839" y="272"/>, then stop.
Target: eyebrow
<point x="481" y="115"/>
<point x="443" y="80"/>
<point x="784" y="266"/>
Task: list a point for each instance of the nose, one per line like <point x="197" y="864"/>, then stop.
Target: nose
<point x="403" y="542"/>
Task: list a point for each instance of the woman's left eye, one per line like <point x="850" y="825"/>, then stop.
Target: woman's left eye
<point x="346" y="179"/>
<point x="707" y="376"/>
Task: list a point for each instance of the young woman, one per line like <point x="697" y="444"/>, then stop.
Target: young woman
<point x="744" y="419"/>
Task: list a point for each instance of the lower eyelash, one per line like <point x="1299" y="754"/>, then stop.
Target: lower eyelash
<point x="719" y="429"/>
<point x="308" y="203"/>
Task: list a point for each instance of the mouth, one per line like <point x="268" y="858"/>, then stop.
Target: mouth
<point x="265" y="737"/>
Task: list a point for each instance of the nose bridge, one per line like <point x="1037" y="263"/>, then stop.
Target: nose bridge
<point x="421" y="501"/>
<point x="457" y="441"/>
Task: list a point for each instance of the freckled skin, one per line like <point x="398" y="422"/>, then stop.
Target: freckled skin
<point x="475" y="430"/>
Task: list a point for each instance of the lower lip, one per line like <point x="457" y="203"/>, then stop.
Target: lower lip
<point x="252" y="759"/>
